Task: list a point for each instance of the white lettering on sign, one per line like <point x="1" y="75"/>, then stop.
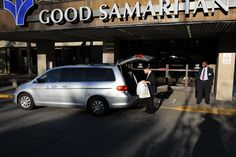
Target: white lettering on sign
<point x="57" y="16"/>
<point x="128" y="12"/>
<point x="42" y="17"/>
<point x="115" y="12"/>
<point x="103" y="11"/>
<point x="70" y="11"/>
<point x="70" y="15"/>
<point x="202" y="5"/>
<point x="85" y="13"/>
<point x="149" y="9"/>
<point x="224" y="6"/>
<point x="164" y="7"/>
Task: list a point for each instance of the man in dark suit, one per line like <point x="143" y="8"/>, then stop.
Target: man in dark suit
<point x="204" y="79"/>
<point x="151" y="82"/>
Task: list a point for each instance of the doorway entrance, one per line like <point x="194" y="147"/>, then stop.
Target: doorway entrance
<point x="177" y="59"/>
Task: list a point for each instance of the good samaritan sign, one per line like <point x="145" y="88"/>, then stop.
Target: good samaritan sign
<point x="159" y="9"/>
<point x="165" y="7"/>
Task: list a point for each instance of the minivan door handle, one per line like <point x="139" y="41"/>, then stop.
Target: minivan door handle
<point x="64" y="86"/>
<point x="52" y="86"/>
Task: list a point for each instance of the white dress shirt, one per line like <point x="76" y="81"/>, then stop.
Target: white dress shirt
<point x="205" y="75"/>
<point x="148" y="74"/>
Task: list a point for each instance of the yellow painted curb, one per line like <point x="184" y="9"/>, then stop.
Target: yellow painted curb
<point x="199" y="109"/>
<point x="6" y="96"/>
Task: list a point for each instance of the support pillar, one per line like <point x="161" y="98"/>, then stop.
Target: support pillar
<point x="225" y="76"/>
<point x="29" y="59"/>
<point x="225" y="68"/>
<point x="110" y="51"/>
<point x="45" y="55"/>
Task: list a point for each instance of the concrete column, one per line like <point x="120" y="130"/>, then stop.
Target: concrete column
<point x="108" y="55"/>
<point x="42" y="63"/>
<point x="46" y="55"/>
<point x="29" y="59"/>
<point x="225" y="76"/>
<point x="225" y="68"/>
<point x="111" y="51"/>
<point x="3" y="60"/>
<point x="8" y="56"/>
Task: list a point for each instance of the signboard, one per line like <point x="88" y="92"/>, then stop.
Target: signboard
<point x="18" y="9"/>
<point x="106" y="12"/>
<point x="227" y="57"/>
<point x="157" y="9"/>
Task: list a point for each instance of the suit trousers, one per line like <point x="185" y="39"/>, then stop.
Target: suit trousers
<point x="150" y="108"/>
<point x="203" y="87"/>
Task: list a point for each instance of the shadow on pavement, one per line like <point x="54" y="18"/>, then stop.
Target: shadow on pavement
<point x="74" y="133"/>
<point x="162" y="96"/>
<point x="210" y="142"/>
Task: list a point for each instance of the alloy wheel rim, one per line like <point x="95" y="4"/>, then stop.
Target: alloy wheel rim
<point x="25" y="102"/>
<point x="98" y="106"/>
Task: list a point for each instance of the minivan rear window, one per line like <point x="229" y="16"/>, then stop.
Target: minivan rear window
<point x="99" y="74"/>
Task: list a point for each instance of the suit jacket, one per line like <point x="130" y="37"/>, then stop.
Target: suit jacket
<point x="210" y="75"/>
<point x="152" y="86"/>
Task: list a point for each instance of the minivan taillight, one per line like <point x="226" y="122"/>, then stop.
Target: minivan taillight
<point x="139" y="56"/>
<point x="122" y="88"/>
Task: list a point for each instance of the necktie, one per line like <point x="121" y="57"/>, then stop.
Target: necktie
<point x="203" y="74"/>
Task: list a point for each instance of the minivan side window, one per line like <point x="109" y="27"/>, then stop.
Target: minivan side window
<point x="99" y="74"/>
<point x="50" y="76"/>
<point x="72" y="75"/>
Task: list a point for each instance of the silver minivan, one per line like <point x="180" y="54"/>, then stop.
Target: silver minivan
<point x="97" y="88"/>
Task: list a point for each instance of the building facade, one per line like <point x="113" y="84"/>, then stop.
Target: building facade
<point x="194" y="29"/>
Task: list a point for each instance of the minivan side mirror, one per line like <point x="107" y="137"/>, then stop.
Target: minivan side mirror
<point x="38" y="80"/>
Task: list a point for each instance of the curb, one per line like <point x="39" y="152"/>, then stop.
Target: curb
<point x="210" y="110"/>
<point x="6" y="96"/>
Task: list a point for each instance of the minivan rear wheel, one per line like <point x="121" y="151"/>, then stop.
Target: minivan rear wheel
<point x="25" y="101"/>
<point x="98" y="106"/>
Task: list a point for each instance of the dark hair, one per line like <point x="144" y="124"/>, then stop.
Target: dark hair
<point x="146" y="66"/>
<point x="205" y="61"/>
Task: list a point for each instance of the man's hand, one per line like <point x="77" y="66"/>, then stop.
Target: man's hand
<point x="145" y="82"/>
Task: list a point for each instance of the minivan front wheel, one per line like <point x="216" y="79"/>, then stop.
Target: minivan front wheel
<point x="98" y="106"/>
<point x="25" y="101"/>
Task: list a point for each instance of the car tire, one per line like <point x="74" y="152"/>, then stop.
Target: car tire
<point x="98" y="106"/>
<point x="26" y="101"/>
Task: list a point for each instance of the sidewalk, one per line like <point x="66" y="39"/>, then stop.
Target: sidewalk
<point x="182" y="99"/>
<point x="6" y="94"/>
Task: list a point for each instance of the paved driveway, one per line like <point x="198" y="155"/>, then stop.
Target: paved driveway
<point x="123" y="133"/>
